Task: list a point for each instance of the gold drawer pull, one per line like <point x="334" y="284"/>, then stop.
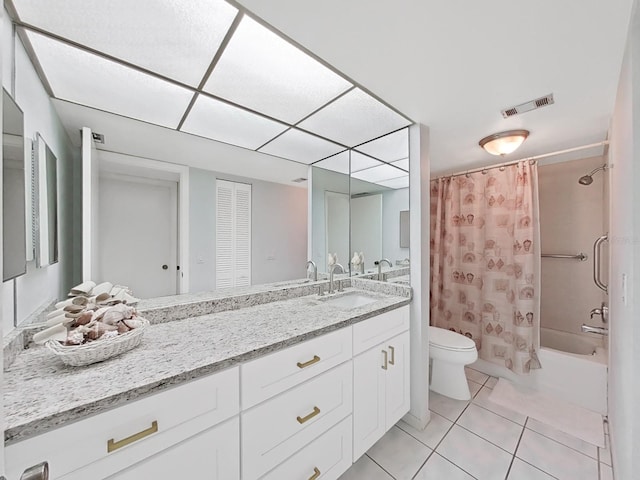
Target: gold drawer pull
<point x="393" y="355"/>
<point x="384" y="366"/>
<point x="315" y="359"/>
<point x="316" y="474"/>
<point x="315" y="412"/>
<point x="112" y="445"/>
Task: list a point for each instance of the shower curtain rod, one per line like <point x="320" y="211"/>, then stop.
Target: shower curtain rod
<point x="531" y="159"/>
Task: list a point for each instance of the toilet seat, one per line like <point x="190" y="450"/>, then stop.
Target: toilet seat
<point x="448" y="340"/>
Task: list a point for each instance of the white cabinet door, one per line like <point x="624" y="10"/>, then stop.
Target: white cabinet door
<point x="397" y="379"/>
<point x="213" y="454"/>
<point x="368" y="400"/>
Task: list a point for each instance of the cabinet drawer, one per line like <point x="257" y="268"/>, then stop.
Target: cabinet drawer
<point x="267" y="376"/>
<point x="330" y="455"/>
<point x="375" y="330"/>
<point x="277" y="428"/>
<point x="68" y="448"/>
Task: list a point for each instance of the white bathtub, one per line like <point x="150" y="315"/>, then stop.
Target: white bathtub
<point x="577" y="378"/>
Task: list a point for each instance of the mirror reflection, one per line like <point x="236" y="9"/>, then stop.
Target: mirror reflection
<point x="14" y="246"/>
<point x="45" y="189"/>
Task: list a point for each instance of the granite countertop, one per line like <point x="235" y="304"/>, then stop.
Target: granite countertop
<point x="41" y="393"/>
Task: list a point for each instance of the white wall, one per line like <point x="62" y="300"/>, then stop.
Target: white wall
<point x="278" y="230"/>
<point x="624" y="234"/>
<point x="571" y="219"/>
<point x="393" y="202"/>
<point x="40" y="285"/>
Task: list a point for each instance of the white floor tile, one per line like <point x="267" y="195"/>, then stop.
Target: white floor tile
<point x="365" y="469"/>
<point x="564" y="438"/>
<point x="475" y="375"/>
<point x="439" y="468"/>
<point x="474" y="387"/>
<point x="445" y="406"/>
<point x="474" y="455"/>
<point x="399" y="454"/>
<point x="606" y="472"/>
<point x="491" y="382"/>
<point x="482" y="399"/>
<point x="523" y="471"/>
<point x="434" y="432"/>
<point x="498" y="430"/>
<point x="556" y="459"/>
<point x="605" y="453"/>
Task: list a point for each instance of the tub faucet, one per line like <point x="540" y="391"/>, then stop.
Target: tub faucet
<point x="603" y="311"/>
<point x="331" y="271"/>
<point x="598" y="330"/>
<point x="379" y="264"/>
<point x="315" y="269"/>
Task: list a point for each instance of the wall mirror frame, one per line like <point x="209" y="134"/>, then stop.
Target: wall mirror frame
<point x="14" y="241"/>
<point x="45" y="203"/>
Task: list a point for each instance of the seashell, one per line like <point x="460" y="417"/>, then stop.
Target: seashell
<point x="116" y="313"/>
<point x="84" y="318"/>
<point x="100" y="329"/>
<point x="75" y="338"/>
<point x="132" y="323"/>
<point x="74" y="308"/>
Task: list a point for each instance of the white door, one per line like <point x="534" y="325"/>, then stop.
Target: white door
<point x="368" y="400"/>
<point x="138" y="225"/>
<point x="397" y="379"/>
<point x="337" y="226"/>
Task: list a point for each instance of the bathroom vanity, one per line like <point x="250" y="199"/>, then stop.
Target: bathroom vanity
<point x="270" y="383"/>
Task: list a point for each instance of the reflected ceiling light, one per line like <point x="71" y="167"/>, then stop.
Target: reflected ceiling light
<point x="504" y="143"/>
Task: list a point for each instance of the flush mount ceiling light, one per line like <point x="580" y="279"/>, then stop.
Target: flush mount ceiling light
<point x="504" y="143"/>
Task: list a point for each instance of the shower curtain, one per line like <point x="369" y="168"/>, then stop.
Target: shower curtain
<point x="485" y="262"/>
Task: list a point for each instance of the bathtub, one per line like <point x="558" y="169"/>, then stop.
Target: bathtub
<point x="574" y="369"/>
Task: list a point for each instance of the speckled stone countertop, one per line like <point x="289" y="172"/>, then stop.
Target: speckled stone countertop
<point x="41" y="393"/>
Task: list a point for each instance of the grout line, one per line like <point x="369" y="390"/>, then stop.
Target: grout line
<point x="568" y="446"/>
<point x="381" y="467"/>
<point x="489" y="441"/>
<point x="513" y="456"/>
<point x="489" y="410"/>
<point x="536" y="467"/>
<point x="447" y="460"/>
<point x="433" y="452"/>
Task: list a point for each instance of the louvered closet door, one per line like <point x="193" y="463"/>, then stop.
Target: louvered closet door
<point x="233" y="234"/>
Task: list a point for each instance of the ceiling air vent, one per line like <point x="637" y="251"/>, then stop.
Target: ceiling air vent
<point x="299" y="180"/>
<point x="528" y="106"/>
<point x="97" y="137"/>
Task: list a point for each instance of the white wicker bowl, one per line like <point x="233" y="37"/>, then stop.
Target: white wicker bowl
<point x="99" y="350"/>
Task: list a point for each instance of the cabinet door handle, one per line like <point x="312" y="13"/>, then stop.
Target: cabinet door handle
<point x="315" y="359"/>
<point x="385" y="362"/>
<point x="306" y="418"/>
<point x="112" y="445"/>
<point x="316" y="474"/>
<point x="393" y="355"/>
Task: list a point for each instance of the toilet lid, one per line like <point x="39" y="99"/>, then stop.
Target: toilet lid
<point x="449" y="340"/>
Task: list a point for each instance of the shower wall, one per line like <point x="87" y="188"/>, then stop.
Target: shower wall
<point x="571" y="218"/>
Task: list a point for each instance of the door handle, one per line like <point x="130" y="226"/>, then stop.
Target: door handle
<point x="37" y="472"/>
<point x="165" y="267"/>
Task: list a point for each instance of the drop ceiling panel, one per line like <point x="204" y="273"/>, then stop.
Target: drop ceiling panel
<point x="174" y="38"/>
<point x="378" y="174"/>
<point x="217" y="120"/>
<point x="400" y="182"/>
<point x="301" y="147"/>
<point x="261" y="71"/>
<point x="389" y="148"/>
<point x="88" y="79"/>
<point x="338" y="163"/>
<point x="403" y="164"/>
<point x="354" y="118"/>
<point x="360" y="161"/>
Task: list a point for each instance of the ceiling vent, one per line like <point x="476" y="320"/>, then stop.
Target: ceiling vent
<point x="97" y="137"/>
<point x="299" y="180"/>
<point x="528" y="106"/>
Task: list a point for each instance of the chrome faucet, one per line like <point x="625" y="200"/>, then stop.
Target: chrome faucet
<point x="315" y="269"/>
<point x="598" y="330"/>
<point x="331" y="271"/>
<point x="603" y="311"/>
<point x="379" y="264"/>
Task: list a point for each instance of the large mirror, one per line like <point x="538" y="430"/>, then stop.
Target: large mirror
<point x="45" y="194"/>
<point x="14" y="244"/>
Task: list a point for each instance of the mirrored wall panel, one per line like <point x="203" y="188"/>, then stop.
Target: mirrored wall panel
<point x="14" y="246"/>
<point x="45" y="188"/>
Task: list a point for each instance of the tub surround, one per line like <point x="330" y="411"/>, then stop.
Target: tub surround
<point x="218" y="330"/>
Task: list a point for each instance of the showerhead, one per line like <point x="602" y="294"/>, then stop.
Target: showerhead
<point x="585" y="180"/>
<point x="588" y="178"/>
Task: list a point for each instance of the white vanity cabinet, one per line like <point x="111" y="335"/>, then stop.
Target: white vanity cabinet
<point x="381" y="378"/>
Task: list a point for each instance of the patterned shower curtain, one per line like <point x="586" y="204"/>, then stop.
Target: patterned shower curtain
<point x="485" y="262"/>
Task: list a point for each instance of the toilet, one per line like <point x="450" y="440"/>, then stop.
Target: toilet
<point x="449" y="353"/>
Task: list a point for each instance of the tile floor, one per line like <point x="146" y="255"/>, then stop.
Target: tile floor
<point x="480" y="440"/>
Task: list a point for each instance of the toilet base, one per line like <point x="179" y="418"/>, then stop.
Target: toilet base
<point x="449" y="379"/>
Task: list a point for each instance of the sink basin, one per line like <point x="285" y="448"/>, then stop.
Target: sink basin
<point x="351" y="301"/>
